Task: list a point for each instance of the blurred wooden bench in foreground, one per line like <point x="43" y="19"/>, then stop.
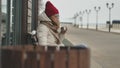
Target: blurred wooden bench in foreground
<point x="45" y="57"/>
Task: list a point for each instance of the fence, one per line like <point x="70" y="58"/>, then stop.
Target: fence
<point x="45" y="57"/>
<point x="115" y="27"/>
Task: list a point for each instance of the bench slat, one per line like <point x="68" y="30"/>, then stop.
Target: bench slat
<point x="60" y="59"/>
<point x="73" y="59"/>
<point x="45" y="60"/>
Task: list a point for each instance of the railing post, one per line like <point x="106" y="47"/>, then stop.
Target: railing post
<point x="35" y="14"/>
<point x="0" y="33"/>
<point x="24" y="14"/>
<point x="0" y="25"/>
<point x="7" y="35"/>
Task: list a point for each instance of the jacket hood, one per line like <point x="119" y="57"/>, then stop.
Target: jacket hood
<point x="43" y="17"/>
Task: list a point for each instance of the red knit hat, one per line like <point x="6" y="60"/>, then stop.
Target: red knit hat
<point x="50" y="9"/>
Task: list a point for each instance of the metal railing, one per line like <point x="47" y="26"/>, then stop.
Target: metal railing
<point x="102" y="26"/>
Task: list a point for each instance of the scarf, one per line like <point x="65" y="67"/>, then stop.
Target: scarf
<point x="52" y="29"/>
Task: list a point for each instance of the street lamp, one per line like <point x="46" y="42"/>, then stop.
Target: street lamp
<point x="74" y="20"/>
<point x="81" y="17"/>
<point x="110" y="6"/>
<point x="88" y="12"/>
<point x="75" y="17"/>
<point x="97" y="9"/>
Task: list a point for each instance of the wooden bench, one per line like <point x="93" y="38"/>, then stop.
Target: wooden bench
<point x="45" y="57"/>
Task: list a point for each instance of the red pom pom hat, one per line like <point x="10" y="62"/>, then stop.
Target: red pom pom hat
<point x="50" y="9"/>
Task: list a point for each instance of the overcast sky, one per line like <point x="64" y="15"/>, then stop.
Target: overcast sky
<point x="68" y="8"/>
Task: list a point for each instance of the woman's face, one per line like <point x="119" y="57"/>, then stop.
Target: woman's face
<point x="55" y="19"/>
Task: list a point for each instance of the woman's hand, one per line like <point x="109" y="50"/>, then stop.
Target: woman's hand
<point x="63" y="30"/>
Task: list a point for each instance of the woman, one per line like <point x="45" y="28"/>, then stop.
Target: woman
<point x="47" y="31"/>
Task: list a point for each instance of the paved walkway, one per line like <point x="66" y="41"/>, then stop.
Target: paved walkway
<point x="105" y="46"/>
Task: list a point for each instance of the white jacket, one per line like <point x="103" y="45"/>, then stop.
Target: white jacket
<point x="45" y="37"/>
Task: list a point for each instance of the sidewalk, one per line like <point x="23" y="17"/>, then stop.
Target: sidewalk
<point x="113" y="30"/>
<point x="93" y="63"/>
<point x="98" y="59"/>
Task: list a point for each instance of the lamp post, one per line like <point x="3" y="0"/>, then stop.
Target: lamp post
<point x="88" y="12"/>
<point x="81" y="18"/>
<point x="75" y="18"/>
<point x="97" y="9"/>
<point x="110" y="6"/>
